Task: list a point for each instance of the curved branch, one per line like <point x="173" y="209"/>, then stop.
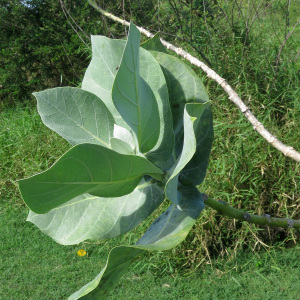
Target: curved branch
<point x="225" y="209"/>
<point x="233" y="96"/>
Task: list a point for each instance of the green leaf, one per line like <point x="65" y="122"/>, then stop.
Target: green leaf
<point x="126" y="136"/>
<point x="184" y="87"/>
<point x="86" y="216"/>
<point x="154" y="44"/>
<point x="86" y="168"/>
<point x="193" y="113"/>
<point x="167" y="231"/>
<point x="153" y="75"/>
<point x="99" y="78"/>
<point x="194" y="172"/>
<point x="133" y="97"/>
<point x="77" y="115"/>
<point x="101" y="72"/>
<point x="121" y="146"/>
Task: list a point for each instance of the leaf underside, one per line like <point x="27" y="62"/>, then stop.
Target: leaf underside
<point x="90" y="217"/>
<point x="77" y="115"/>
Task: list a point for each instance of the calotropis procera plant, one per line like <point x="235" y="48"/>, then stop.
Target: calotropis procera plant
<point x="141" y="132"/>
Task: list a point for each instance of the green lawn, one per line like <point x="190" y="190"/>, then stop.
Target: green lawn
<point x="32" y="266"/>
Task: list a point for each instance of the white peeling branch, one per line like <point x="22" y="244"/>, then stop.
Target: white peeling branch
<point x="233" y="96"/>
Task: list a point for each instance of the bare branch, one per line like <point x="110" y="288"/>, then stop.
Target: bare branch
<point x="225" y="209"/>
<point x="65" y="10"/>
<point x="233" y="96"/>
<point x="280" y="50"/>
<point x="66" y="15"/>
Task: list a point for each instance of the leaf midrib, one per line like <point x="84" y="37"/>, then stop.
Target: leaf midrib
<point x="137" y="85"/>
<point x="91" y="182"/>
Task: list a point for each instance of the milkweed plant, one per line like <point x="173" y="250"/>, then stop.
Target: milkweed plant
<point x="141" y="132"/>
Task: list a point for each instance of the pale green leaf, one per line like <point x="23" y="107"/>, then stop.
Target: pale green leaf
<point x="99" y="78"/>
<point x="77" y="115"/>
<point x="125" y="135"/>
<point x="101" y="72"/>
<point x="153" y="75"/>
<point x="121" y="146"/>
<point x="189" y="148"/>
<point x="90" y="217"/>
<point x="86" y="168"/>
<point x="186" y="87"/>
<point x="154" y="44"/>
<point x="193" y="114"/>
<point x="167" y="231"/>
<point x="194" y="172"/>
<point x="134" y="98"/>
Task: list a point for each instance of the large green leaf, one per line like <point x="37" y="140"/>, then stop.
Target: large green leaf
<point x="90" y="217"/>
<point x="86" y="168"/>
<point x="99" y="78"/>
<point x="194" y="172"/>
<point x="189" y="148"/>
<point x="77" y="115"/>
<point x="166" y="232"/>
<point x="193" y="113"/>
<point x="101" y="72"/>
<point x="133" y="97"/>
<point x="154" y="44"/>
<point x="151" y="72"/>
<point x="184" y="87"/>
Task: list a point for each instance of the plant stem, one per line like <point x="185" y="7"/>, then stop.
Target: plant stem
<point x="225" y="209"/>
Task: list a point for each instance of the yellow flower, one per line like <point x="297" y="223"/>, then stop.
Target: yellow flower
<point x="81" y="252"/>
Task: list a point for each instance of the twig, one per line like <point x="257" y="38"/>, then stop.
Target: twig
<point x="280" y="51"/>
<point x="225" y="209"/>
<point x="65" y="13"/>
<point x="233" y="96"/>
<point x="65" y="10"/>
<point x="256" y="16"/>
<point x="287" y="23"/>
<point x="209" y="35"/>
<point x="174" y="7"/>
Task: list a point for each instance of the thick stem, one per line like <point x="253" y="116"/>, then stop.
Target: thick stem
<point x="233" y="96"/>
<point x="225" y="209"/>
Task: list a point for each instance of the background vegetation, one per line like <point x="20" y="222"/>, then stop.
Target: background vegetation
<point x="253" y="44"/>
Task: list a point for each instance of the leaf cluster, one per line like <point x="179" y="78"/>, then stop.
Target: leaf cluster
<point x="141" y="131"/>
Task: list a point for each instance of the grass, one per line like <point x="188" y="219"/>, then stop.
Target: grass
<point x="34" y="267"/>
<point x="264" y="275"/>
